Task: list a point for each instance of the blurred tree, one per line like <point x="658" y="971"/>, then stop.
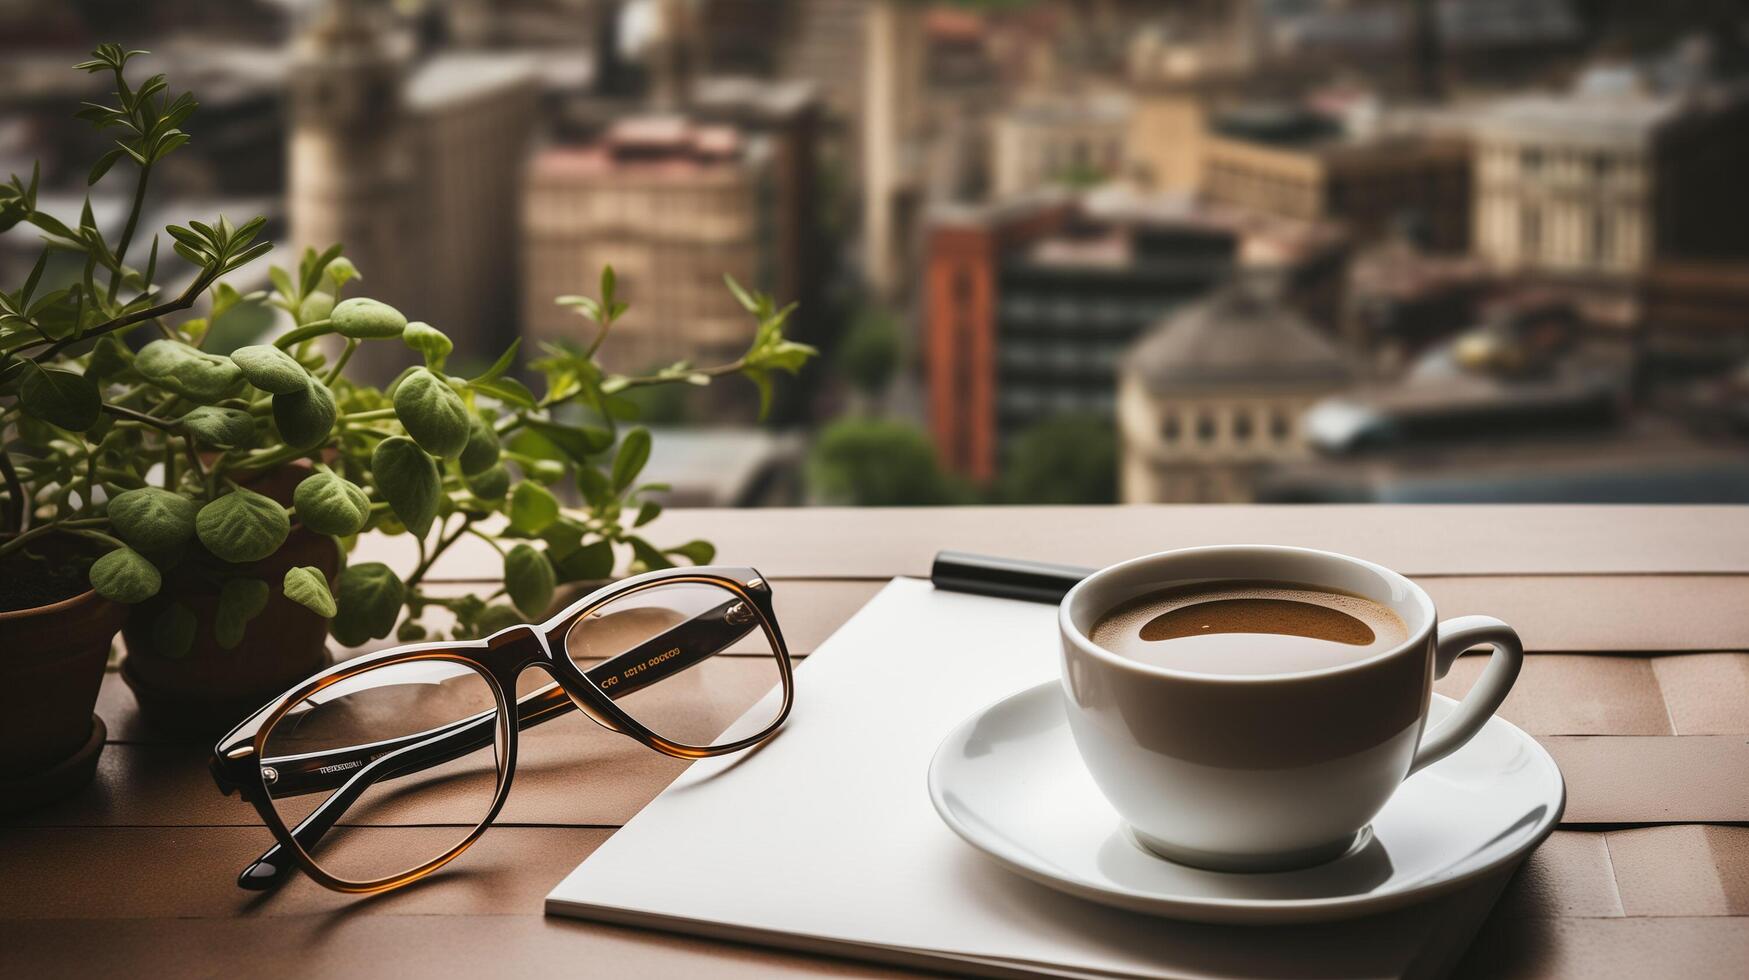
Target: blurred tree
<point x="877" y="463"/>
<point x="869" y="353"/>
<point x="1071" y="459"/>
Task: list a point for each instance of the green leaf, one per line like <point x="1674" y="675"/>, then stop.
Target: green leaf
<point x="306" y="586"/>
<point x="271" y="369"/>
<point x="482" y="450"/>
<point x="410" y="631"/>
<point x="647" y="512"/>
<point x="109" y="357"/>
<point x="240" y="600"/>
<point x="497" y="617"/>
<point x="173" y="631"/>
<point x="634" y="452"/>
<point x="61" y="398"/>
<point x="316" y="306"/>
<point x="579" y="442"/>
<point x="608" y="282"/>
<point x="368" y="598"/>
<point x="361" y="319"/>
<point x="697" y="552"/>
<point x="220" y="428"/>
<point x="407" y="478"/>
<point x="242" y="526"/>
<point x="428" y="341"/>
<point x="530" y="580"/>
<point x="193" y="374"/>
<point x="124" y="575"/>
<point x="546" y="472"/>
<point x="305" y="418"/>
<point x="503" y="363"/>
<point x="590" y="563"/>
<point x="532" y="508"/>
<point x="432" y="413"/>
<point x="341" y="270"/>
<point x="741" y="296"/>
<point x="102" y="166"/>
<point x="329" y="504"/>
<point x="647" y="554"/>
<point x="491" y="483"/>
<point x="507" y="390"/>
<point x="152" y="520"/>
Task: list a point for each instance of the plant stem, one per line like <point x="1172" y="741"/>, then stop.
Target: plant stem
<point x="16" y="508"/>
<point x="128" y="413"/>
<point x="373" y="415"/>
<point x="345" y="355"/>
<point x="488" y="539"/>
<point x="127" y="231"/>
<point x="41" y="529"/>
<point x="182" y="302"/>
<point x="443" y="544"/>
<point x="657" y="379"/>
<point x="315" y="328"/>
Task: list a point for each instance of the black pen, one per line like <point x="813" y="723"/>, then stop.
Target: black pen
<point x="1004" y="578"/>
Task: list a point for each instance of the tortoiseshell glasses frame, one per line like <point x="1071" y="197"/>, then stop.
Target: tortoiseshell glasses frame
<point x="242" y="762"/>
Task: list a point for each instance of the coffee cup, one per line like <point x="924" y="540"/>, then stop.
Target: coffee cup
<point x="1260" y="771"/>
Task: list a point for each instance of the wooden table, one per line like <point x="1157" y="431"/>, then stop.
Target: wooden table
<point x="1637" y="619"/>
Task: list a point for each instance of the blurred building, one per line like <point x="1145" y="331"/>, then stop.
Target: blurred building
<point x="1400" y="301"/>
<point x="673" y="206"/>
<point x="1065" y="139"/>
<point x="893" y="139"/>
<point x="787" y="117"/>
<point x="1029" y="305"/>
<point x="1475" y="440"/>
<point x="1693" y="314"/>
<point x="416" y="167"/>
<point x="1292" y="162"/>
<point x="1609" y="179"/>
<point x="1212" y="397"/>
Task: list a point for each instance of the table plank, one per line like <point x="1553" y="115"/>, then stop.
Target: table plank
<point x="1686" y="870"/>
<point x="1693" y="948"/>
<point x="343" y="946"/>
<point x="1649" y="779"/>
<point x="1415" y="540"/>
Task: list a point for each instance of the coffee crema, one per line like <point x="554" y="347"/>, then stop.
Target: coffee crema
<point x="1249" y="628"/>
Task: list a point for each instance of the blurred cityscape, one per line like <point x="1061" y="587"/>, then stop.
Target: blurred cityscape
<point x="1052" y="252"/>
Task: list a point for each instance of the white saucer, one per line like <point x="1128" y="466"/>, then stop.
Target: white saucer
<point x="1010" y="782"/>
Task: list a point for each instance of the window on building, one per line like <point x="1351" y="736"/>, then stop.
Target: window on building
<point x="1600" y="166"/>
<point x="1530" y="229"/>
<point x="1205" y="426"/>
<point x="1602" y="236"/>
<point x="1530" y="159"/>
<point x="1280" y="427"/>
<point x="1242" y="426"/>
<point x="1169" y="428"/>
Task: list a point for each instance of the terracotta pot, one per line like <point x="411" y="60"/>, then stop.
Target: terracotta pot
<point x="204" y="692"/>
<point x="51" y="665"/>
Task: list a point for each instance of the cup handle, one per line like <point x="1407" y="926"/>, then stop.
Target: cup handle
<point x="1454" y="636"/>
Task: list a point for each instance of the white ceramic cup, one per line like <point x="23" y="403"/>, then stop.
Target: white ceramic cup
<point x="1259" y="772"/>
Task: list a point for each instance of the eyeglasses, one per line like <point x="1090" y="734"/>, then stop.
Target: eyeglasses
<point x="424" y="736"/>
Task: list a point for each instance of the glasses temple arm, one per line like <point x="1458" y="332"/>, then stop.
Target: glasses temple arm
<point x="706" y="635"/>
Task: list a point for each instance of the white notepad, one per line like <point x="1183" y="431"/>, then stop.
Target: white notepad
<point x="824" y="839"/>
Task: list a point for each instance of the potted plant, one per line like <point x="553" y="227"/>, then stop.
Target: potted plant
<point x="218" y="495"/>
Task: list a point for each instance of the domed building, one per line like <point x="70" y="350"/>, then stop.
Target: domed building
<point x="1213" y="395"/>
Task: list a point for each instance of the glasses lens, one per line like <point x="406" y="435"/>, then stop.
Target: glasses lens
<point x="409" y="756"/>
<point x="690" y="661"/>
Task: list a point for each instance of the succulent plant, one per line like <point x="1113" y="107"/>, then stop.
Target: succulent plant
<point x="155" y="454"/>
